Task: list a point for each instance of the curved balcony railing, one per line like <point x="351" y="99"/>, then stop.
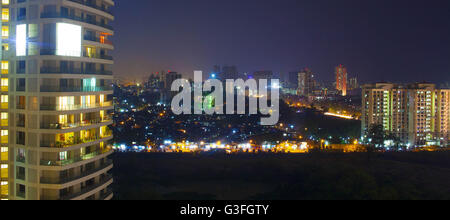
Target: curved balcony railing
<point x="104" y="195"/>
<point x="84" y="123"/>
<point x="75" y="107"/>
<point x="64" y="180"/>
<point x="65" y="144"/>
<point x="75" y="18"/>
<point x="54" y="70"/>
<point x="87" y="189"/>
<point x="98" y="40"/>
<point x="93" y="5"/>
<point x="76" y="89"/>
<point x="89" y="156"/>
<point x="54" y="52"/>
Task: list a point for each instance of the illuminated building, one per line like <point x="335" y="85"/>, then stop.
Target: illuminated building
<point x="341" y="79"/>
<point x="306" y="82"/>
<point x="418" y="114"/>
<point x="60" y="99"/>
<point x="353" y="83"/>
<point x="4" y="83"/>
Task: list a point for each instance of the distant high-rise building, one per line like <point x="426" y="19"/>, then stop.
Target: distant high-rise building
<point x="306" y="82"/>
<point x="56" y="115"/>
<point x="154" y="82"/>
<point x="229" y="72"/>
<point x="263" y="75"/>
<point x="341" y="79"/>
<point x="170" y="77"/>
<point x="353" y="83"/>
<point x="292" y="81"/>
<point x="418" y="114"/>
<point x="224" y="73"/>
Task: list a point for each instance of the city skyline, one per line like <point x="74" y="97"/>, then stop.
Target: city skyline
<point x="407" y="41"/>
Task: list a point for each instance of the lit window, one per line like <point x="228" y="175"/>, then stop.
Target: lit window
<point x="4" y="99"/>
<point x="5" y="14"/>
<point x="21" y="40"/>
<point x="68" y="40"/>
<point x="5" y="31"/>
<point x="5" y="67"/>
<point x="63" y="155"/>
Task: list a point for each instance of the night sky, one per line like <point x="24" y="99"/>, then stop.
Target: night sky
<point x="378" y="40"/>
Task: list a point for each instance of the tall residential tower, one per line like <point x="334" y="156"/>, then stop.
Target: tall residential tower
<point x="58" y="98"/>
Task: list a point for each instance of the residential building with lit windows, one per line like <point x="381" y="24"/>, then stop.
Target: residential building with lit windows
<point x="57" y="99"/>
<point x="418" y="114"/>
<point x="4" y="87"/>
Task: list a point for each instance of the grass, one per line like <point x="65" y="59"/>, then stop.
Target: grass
<point x="404" y="176"/>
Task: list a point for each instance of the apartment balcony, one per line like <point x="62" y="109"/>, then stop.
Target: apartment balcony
<point x="105" y="195"/>
<point x="53" y="52"/>
<point x="63" y="126"/>
<point x="98" y="40"/>
<point x="75" y="18"/>
<point x="77" y="141"/>
<point x="20" y="159"/>
<point x="98" y="186"/>
<point x="97" y="56"/>
<point x="55" y="70"/>
<point x="92" y="5"/>
<point x="76" y="89"/>
<point x="65" y="180"/>
<point x="85" y="157"/>
<point x="75" y="107"/>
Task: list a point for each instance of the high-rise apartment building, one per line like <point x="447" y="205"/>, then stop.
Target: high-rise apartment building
<point x="4" y="84"/>
<point x="418" y="114"/>
<point x="56" y="100"/>
<point x="353" y="83"/>
<point x="341" y="79"/>
<point x="306" y="82"/>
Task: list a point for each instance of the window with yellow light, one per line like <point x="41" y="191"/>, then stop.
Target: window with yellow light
<point x="5" y="31"/>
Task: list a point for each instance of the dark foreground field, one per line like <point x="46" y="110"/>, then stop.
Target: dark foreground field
<point x="312" y="176"/>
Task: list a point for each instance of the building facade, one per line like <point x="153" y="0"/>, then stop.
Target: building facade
<point x="306" y="82"/>
<point x="56" y="59"/>
<point x="4" y="83"/>
<point x="341" y="79"/>
<point x="418" y="114"/>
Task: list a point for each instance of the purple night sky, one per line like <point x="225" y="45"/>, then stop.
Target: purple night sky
<point x="378" y="40"/>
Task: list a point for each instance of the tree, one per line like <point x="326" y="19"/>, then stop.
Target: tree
<point x="396" y="140"/>
<point x="376" y="135"/>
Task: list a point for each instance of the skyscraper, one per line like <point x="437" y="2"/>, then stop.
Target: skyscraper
<point x="418" y="114"/>
<point x="341" y="79"/>
<point x="225" y="72"/>
<point x="258" y="75"/>
<point x="306" y="82"/>
<point x="59" y="81"/>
